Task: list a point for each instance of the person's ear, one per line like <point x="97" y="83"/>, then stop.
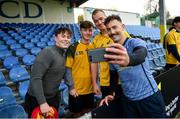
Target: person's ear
<point x="55" y="38"/>
<point x="123" y="26"/>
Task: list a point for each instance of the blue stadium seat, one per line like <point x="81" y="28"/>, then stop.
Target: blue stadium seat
<point x="4" y="54"/>
<point x="158" y="62"/>
<point x="21" y="52"/>
<point x="3" y="47"/>
<point x="35" y="50"/>
<point x="51" y="39"/>
<point x="6" y="38"/>
<point x="28" y="45"/>
<point x="149" y="55"/>
<point x="8" y="106"/>
<point x="14" y="35"/>
<point x="23" y="41"/>
<point x="10" y="62"/>
<point x="23" y="87"/>
<point x="10" y="42"/>
<point x="13" y="111"/>
<point x="15" y="47"/>
<point x="29" y="37"/>
<point x="17" y="38"/>
<point x="149" y="47"/>
<point x="28" y="59"/>
<point x="24" y="34"/>
<point x="155" y="54"/>
<point x="73" y="40"/>
<point x="37" y="36"/>
<point x="43" y="39"/>
<point x="163" y="61"/>
<point x="6" y="97"/>
<point x="18" y="74"/>
<point x="160" y="52"/>
<point x="153" y="66"/>
<point x="2" y="79"/>
<point x="34" y="40"/>
<point x="51" y="43"/>
<point x="41" y="44"/>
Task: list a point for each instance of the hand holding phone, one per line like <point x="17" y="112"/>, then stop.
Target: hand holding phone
<point x="97" y="55"/>
<point x="117" y="54"/>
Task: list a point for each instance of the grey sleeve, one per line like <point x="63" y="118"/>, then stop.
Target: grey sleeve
<point x="68" y="78"/>
<point x="38" y="71"/>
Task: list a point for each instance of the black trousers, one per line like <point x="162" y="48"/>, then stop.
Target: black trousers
<point x="169" y="66"/>
<point x="81" y="102"/>
<point x="31" y="103"/>
<point x="150" y="107"/>
<point x="106" y="90"/>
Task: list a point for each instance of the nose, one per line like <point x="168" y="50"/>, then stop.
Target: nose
<point x="67" y="39"/>
<point x="90" y="32"/>
<point x="111" y="31"/>
<point x="99" y="22"/>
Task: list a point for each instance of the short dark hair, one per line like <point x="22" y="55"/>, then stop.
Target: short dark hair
<point x="112" y="17"/>
<point x="96" y="11"/>
<point x="86" y="24"/>
<point x="175" y="20"/>
<point x="63" y="30"/>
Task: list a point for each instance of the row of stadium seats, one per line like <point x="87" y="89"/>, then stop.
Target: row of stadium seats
<point x="12" y="61"/>
<point x="41" y="32"/>
<point x="144" y="32"/>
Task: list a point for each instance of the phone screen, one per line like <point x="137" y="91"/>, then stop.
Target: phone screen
<point x="96" y="55"/>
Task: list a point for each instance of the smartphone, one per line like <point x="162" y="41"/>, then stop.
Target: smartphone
<point x="96" y="55"/>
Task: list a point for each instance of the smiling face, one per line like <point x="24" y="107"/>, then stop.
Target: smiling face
<point x="86" y="29"/>
<point x="86" y="33"/>
<point x="63" y="40"/>
<point x="99" y="19"/>
<point x="115" y="30"/>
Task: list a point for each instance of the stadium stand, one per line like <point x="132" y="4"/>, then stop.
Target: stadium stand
<point x="21" y="42"/>
<point x="30" y="38"/>
<point x="144" y="32"/>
